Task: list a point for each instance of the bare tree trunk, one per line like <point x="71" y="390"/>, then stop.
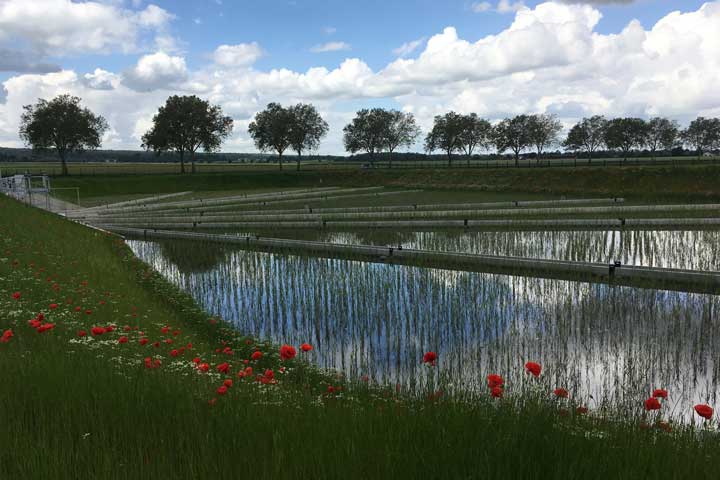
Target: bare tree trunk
<point x="449" y="154"/>
<point x="390" y="157"/>
<point x="182" y="161"/>
<point x="63" y="164"/>
<point x="298" y="161"/>
<point x="192" y="161"/>
<point x="280" y="159"/>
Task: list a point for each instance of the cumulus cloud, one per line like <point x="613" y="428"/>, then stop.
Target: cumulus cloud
<point x="330" y="47"/>
<point x="16" y="61"/>
<point x="241" y="55"/>
<point x="507" y="6"/>
<point x="550" y="59"/>
<point x="156" y="71"/>
<point x="408" y="47"/>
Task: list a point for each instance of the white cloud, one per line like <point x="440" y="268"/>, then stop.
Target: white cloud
<point x="330" y="47"/>
<point x="101" y="80"/>
<point x="156" y="71"/>
<point x="329" y="30"/>
<point x="480" y="7"/>
<point x="408" y="47"/>
<point x="241" y="55"/>
<point x="508" y="6"/>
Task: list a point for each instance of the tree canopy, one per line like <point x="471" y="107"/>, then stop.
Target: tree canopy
<point x="543" y="132"/>
<point x="307" y="128"/>
<point x="271" y="129"/>
<point x="476" y="133"/>
<point x="513" y="134"/>
<point x="446" y="134"/>
<point x="703" y="134"/>
<point x="62" y="124"/>
<point x="367" y="132"/>
<point x="402" y="131"/>
<point x="662" y="134"/>
<point x="186" y="123"/>
<point x="587" y="135"/>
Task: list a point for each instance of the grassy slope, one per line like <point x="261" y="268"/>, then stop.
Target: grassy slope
<point x="87" y="408"/>
<point x="697" y="183"/>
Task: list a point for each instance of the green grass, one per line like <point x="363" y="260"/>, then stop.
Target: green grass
<point x="646" y="183"/>
<point x="87" y="408"/>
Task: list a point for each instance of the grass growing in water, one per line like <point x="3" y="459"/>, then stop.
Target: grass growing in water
<point x="86" y="407"/>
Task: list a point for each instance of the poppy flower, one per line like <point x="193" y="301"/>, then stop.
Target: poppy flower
<point x="581" y="410"/>
<point x="34" y="323"/>
<point x="53" y="306"/>
<point x="6" y="336"/>
<point x="123" y="339"/>
<point x="223" y="367"/>
<point x="77" y="309"/>
<point x="45" y="327"/>
<point x="269" y="374"/>
<point x="660" y="393"/>
<point x="196" y="360"/>
<point x="204" y="367"/>
<point x="127" y="328"/>
<point x="257" y="355"/>
<point x="222" y="390"/>
<point x="16" y="295"/>
<point x="248" y="371"/>
<point x="306" y="347"/>
<point x="156" y="344"/>
<point x="287" y="352"/>
<point x="365" y="378"/>
<point x="496" y="392"/>
<point x="81" y="333"/>
<point x="165" y="329"/>
<point x="168" y="341"/>
<point x="88" y="312"/>
<point x="228" y="383"/>
<point x="110" y="328"/>
<point x="495" y="381"/>
<point x="330" y="389"/>
<point x="227" y="351"/>
<point x="174" y="353"/>
<point x="176" y="333"/>
<point x="97" y="330"/>
<point x="430" y="357"/>
<point x="652" y="403"/>
<point x="189" y="346"/>
<point x="561" y="393"/>
<point x="534" y="368"/>
<point x="704" y="411"/>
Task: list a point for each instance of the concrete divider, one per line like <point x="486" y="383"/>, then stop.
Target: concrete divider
<point x="675" y="279"/>
<point x="137" y="201"/>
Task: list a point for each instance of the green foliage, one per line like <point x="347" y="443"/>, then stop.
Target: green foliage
<point x="186" y="123"/>
<point x="62" y="124"/>
<point x="703" y="134"/>
<point x="662" y="134"/>
<point x="446" y="134"/>
<point x="271" y="129"/>
<point x="307" y="128"/>
<point x="543" y="132"/>
<point x="367" y="132"/>
<point x="513" y="134"/>
<point x="587" y="135"/>
<point x="476" y="133"/>
<point x="626" y="134"/>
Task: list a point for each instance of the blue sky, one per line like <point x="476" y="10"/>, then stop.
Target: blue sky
<point x="498" y="58"/>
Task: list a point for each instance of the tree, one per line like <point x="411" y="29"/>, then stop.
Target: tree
<point x="544" y="131"/>
<point x="446" y="134"/>
<point x="307" y="128"/>
<point x="513" y="134"/>
<point x="62" y="124"/>
<point x="367" y="132"/>
<point x="184" y="124"/>
<point x="702" y="134"/>
<point x="662" y="134"/>
<point x="587" y="135"/>
<point x="625" y="134"/>
<point x="476" y="132"/>
<point x="401" y="130"/>
<point x="271" y="129"/>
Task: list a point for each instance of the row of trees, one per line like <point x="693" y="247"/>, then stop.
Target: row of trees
<point x="187" y="123"/>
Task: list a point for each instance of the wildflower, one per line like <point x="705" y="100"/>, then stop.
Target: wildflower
<point x="127" y="328"/>
<point x="365" y="378"/>
<point x="77" y="309"/>
<point x="143" y="341"/>
<point x="212" y="401"/>
<point x="660" y="393"/>
<point x="34" y="323"/>
<point x="257" y="355"/>
<point x="495" y="381"/>
<point x="196" y="360"/>
<point x="222" y="390"/>
<point x="168" y="341"/>
<point x="704" y="411"/>
<point x="6" y="336"/>
<point x="45" y="327"/>
<point x="165" y="329"/>
<point x="269" y="374"/>
<point x="430" y="357"/>
<point x="123" y="339"/>
<point x="496" y="392"/>
<point x="534" y="368"/>
<point x="16" y="295"/>
<point x="173" y="353"/>
<point x="53" y="306"/>
<point x="81" y="333"/>
<point x="306" y="347"/>
<point x="204" y="367"/>
<point x="560" y="393"/>
<point x="652" y="403"/>
<point x="581" y="410"/>
<point x="97" y="330"/>
<point x="223" y="367"/>
<point x="330" y="389"/>
<point x="248" y="371"/>
<point x="156" y="344"/>
<point x="287" y="352"/>
<point x="88" y="312"/>
<point x="176" y="333"/>
<point x="110" y="328"/>
<point x="228" y="383"/>
<point x="189" y="346"/>
<point x="664" y="426"/>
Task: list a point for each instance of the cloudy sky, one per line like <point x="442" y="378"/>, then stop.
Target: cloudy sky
<point x="496" y="57"/>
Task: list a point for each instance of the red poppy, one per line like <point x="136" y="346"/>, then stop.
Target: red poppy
<point x="88" y="312"/>
<point x="189" y="346"/>
<point x="16" y="295"/>
<point x="127" y="328"/>
<point x="176" y="333"/>
<point x="222" y="390"/>
<point x="660" y="393"/>
<point x="168" y="341"/>
<point x="306" y="347"/>
<point x="204" y="367"/>
<point x="330" y="389"/>
<point x="227" y="351"/>
<point x="223" y="367"/>
<point x="496" y="392"/>
<point x="97" y="330"/>
<point x="561" y="393"/>
<point x="196" y="360"/>
<point x="123" y="339"/>
<point x="534" y="368"/>
<point x="174" y="353"/>
<point x="110" y="328"/>
<point x="287" y="352"/>
<point x="34" y="323"/>
<point x="269" y="374"/>
<point x="365" y="378"/>
<point x="81" y="333"/>
<point x="704" y="411"/>
<point x="6" y="336"/>
<point x="77" y="309"/>
<point x="53" y="306"/>
<point x="581" y="410"/>
<point x="430" y="357"/>
<point x="495" y="381"/>
<point x="165" y="329"/>
<point x="143" y="341"/>
<point x="257" y="355"/>
<point x="248" y="371"/>
<point x="228" y="383"/>
<point x="156" y="344"/>
<point x="652" y="403"/>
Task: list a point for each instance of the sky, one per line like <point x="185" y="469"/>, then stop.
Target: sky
<point x="496" y="58"/>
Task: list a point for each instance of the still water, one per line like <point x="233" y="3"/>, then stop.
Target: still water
<point x="608" y="345"/>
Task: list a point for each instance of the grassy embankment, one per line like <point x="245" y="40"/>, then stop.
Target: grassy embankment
<point x="648" y="183"/>
<point x="87" y="407"/>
